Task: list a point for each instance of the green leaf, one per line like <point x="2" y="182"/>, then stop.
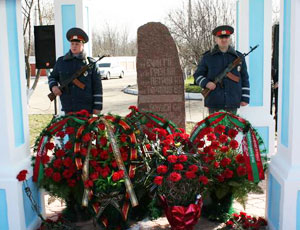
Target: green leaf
<point x="234" y="184"/>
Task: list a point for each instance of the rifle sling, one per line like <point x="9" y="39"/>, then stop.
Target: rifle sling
<point x="78" y="83"/>
<point x="233" y="77"/>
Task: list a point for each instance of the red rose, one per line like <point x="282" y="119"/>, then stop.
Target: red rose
<point x="105" y="172"/>
<point x="148" y="147"/>
<point x="67" y="174"/>
<point x="174" y="176"/>
<point x="223" y="138"/>
<point x="49" y="145"/>
<point x="158" y="180"/>
<point x="220" y="129"/>
<point x="68" y="145"/>
<point x="87" y="137"/>
<point x="203" y="179"/>
<point x="216" y="164"/>
<point x="207" y="149"/>
<point x="124" y="156"/>
<point x="182" y="158"/>
<point x="224" y="149"/>
<point x="70" y="130"/>
<point x="232" y="133"/>
<point x="193" y="168"/>
<point x="229" y="223"/>
<point x="83" y="151"/>
<point x="60" y="153"/>
<point x="164" y="150"/>
<point x="117" y="175"/>
<point x="225" y="161"/>
<point x="103" y="141"/>
<point x="207" y="130"/>
<point x="211" y="137"/>
<point x="48" y="172"/>
<point x="101" y="126"/>
<point x="67" y="161"/>
<point x="235" y="216"/>
<point x="94" y="176"/>
<point x="205" y="169"/>
<point x="56" y="177"/>
<point x="228" y="173"/>
<point x="234" y="144"/>
<point x="201" y="144"/>
<point x="57" y="163"/>
<point x="190" y="175"/>
<point x="22" y="175"/>
<point x="241" y="171"/>
<point x="45" y="159"/>
<point x="172" y="159"/>
<point x="178" y="167"/>
<point x="215" y="144"/>
<point x="240" y="159"/>
<point x="162" y="169"/>
<point x="71" y="183"/>
<point x="104" y="155"/>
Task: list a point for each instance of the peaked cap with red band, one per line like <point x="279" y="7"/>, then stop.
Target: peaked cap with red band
<point x="223" y="31"/>
<point x="77" y="34"/>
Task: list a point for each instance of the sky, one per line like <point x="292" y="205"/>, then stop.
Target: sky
<point x="131" y="14"/>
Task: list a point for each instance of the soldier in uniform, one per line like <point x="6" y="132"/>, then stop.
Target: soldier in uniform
<point x="228" y="95"/>
<point x="73" y="98"/>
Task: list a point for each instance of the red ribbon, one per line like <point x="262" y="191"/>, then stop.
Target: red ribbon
<point x="180" y="217"/>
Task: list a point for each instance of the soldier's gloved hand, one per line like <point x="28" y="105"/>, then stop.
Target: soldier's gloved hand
<point x="210" y="85"/>
<point x="56" y="91"/>
<point x="96" y="111"/>
<point x="244" y="103"/>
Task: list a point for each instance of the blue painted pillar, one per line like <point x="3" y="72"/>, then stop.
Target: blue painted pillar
<point x="284" y="186"/>
<point x="14" y="131"/>
<point x="254" y="26"/>
<point x="68" y="14"/>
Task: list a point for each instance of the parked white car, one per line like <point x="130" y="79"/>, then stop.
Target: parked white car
<point x="110" y="69"/>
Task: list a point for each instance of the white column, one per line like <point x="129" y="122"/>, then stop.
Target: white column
<point x="68" y="14"/>
<point x="284" y="192"/>
<point x="15" y="214"/>
<point x="254" y="26"/>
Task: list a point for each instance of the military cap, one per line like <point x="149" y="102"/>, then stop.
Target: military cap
<point x="77" y="34"/>
<point x="223" y="31"/>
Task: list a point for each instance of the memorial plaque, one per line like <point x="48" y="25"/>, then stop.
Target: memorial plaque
<point x="159" y="75"/>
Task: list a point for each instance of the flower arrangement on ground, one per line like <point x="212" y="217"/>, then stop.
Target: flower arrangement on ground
<point x="86" y="161"/>
<point x="233" y="169"/>
<point x="242" y="221"/>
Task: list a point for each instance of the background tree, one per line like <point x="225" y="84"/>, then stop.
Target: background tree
<point x="191" y="27"/>
<point x="113" y="41"/>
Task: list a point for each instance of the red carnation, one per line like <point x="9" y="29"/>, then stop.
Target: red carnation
<point x="68" y="145"/>
<point x="60" y="153"/>
<point x="123" y="138"/>
<point x="132" y="107"/>
<point x="117" y="175"/>
<point x="216" y="164"/>
<point x="67" y="161"/>
<point x="103" y="141"/>
<point x="172" y="159"/>
<point x="104" y="155"/>
<point x="190" y="175"/>
<point x="225" y="161"/>
<point x="56" y="177"/>
<point x="215" y="144"/>
<point x="201" y="144"/>
<point x="162" y="169"/>
<point x="94" y="152"/>
<point x="124" y="156"/>
<point x="220" y="129"/>
<point x="94" y="176"/>
<point x="241" y="171"/>
<point x="211" y="137"/>
<point x="114" y="164"/>
<point x="57" y="163"/>
<point x="232" y="133"/>
<point x="70" y="130"/>
<point x="228" y="173"/>
<point x="48" y="172"/>
<point x="224" y="149"/>
<point x="240" y="159"/>
<point x="67" y="174"/>
<point x="45" y="159"/>
<point x="149" y="125"/>
<point x="207" y="149"/>
<point x="178" y="167"/>
<point x="83" y="151"/>
<point x="203" y="179"/>
<point x="22" y="175"/>
<point x="205" y="169"/>
<point x="87" y="137"/>
<point x="49" y="145"/>
<point x="229" y="223"/>
<point x="234" y="144"/>
<point x="220" y="178"/>
<point x="158" y="180"/>
<point x="223" y="138"/>
<point x="101" y="126"/>
<point x="105" y="172"/>
<point x="60" y="134"/>
<point x="71" y="183"/>
<point x="174" y="176"/>
<point x="182" y="158"/>
<point x="88" y="183"/>
<point x="193" y="168"/>
<point x="164" y="150"/>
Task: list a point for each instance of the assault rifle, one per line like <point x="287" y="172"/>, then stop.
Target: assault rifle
<point x="226" y="72"/>
<point x="74" y="77"/>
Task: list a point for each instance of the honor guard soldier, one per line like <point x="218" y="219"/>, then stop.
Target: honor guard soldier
<point x="74" y="98"/>
<point x="227" y="95"/>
